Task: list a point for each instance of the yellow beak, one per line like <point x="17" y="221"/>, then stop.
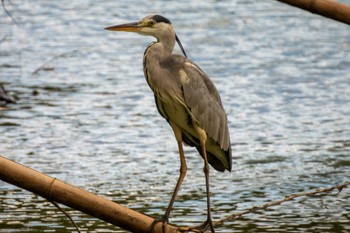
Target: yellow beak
<point x="128" y="27"/>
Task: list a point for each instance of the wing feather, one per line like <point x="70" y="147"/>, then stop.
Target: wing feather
<point x="197" y="101"/>
<point x="202" y="98"/>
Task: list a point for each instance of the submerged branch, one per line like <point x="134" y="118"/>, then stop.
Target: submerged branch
<point x="5" y="97"/>
<point x="43" y="66"/>
<point x="7" y="12"/>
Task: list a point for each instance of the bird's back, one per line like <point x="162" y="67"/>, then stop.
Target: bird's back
<point x="197" y="102"/>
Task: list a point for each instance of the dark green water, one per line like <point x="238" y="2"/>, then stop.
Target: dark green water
<point x="88" y="117"/>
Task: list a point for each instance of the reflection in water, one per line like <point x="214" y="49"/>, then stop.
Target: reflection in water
<point x="85" y="118"/>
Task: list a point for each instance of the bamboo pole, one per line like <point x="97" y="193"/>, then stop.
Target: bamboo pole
<point x="76" y="198"/>
<point x="327" y="8"/>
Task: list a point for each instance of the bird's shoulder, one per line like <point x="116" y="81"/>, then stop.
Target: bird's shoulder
<point x="200" y="96"/>
<point x="173" y="62"/>
<point x="190" y="75"/>
<point x="199" y="79"/>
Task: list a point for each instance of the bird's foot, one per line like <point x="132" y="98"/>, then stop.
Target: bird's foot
<point x="207" y="225"/>
<point x="164" y="220"/>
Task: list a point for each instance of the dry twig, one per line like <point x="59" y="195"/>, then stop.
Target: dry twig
<point x="275" y="203"/>
<point x="255" y="209"/>
<point x="5" y="97"/>
<point x="42" y="67"/>
<point x="66" y="214"/>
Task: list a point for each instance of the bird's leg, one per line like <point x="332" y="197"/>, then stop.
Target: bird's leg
<point x="183" y="170"/>
<point x="208" y="224"/>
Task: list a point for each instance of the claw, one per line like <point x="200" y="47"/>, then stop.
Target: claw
<point x="164" y="220"/>
<point x="207" y="225"/>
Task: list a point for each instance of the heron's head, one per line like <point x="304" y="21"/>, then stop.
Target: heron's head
<point x="152" y="25"/>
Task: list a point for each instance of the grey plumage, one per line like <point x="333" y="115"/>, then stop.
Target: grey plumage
<point x="186" y="98"/>
<point x="197" y="101"/>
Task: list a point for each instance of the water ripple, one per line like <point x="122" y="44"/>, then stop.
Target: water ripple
<point x="88" y="117"/>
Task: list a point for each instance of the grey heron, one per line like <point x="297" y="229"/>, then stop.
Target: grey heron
<point x="187" y="99"/>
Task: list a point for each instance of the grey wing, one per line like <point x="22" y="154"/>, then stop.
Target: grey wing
<point x="203" y="100"/>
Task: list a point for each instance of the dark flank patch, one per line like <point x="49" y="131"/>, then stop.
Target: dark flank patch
<point x="161" y="19"/>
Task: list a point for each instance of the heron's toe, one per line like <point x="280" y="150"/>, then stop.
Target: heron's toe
<point x="207" y="225"/>
<point x="164" y="220"/>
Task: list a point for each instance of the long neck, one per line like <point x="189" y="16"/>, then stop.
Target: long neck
<point x="155" y="53"/>
<point x="163" y="47"/>
<point x="158" y="51"/>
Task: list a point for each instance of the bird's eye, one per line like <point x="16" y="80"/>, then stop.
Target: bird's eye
<point x="151" y="23"/>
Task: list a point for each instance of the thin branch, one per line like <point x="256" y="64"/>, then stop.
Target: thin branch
<point x="3" y="39"/>
<point x="42" y="67"/>
<point x="276" y="203"/>
<point x="67" y="215"/>
<point x="7" y="12"/>
<point x="255" y="209"/>
<point x="5" y="97"/>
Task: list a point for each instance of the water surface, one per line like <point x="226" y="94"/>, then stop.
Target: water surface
<point x="87" y="117"/>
